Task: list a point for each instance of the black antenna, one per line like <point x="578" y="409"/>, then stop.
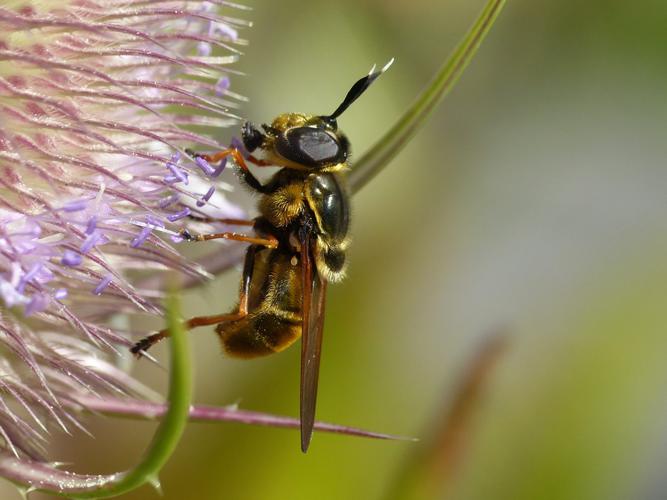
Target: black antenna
<point x="357" y="89"/>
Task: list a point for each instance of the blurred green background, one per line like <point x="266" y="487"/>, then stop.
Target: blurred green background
<point x="534" y="201"/>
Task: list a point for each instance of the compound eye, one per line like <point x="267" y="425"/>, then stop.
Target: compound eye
<point x="310" y="146"/>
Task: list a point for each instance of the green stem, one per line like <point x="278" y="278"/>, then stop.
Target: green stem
<point x="172" y="425"/>
<point x="45" y="477"/>
<point x="379" y="156"/>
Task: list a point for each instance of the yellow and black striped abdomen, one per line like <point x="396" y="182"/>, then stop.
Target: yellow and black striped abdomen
<point x="273" y="322"/>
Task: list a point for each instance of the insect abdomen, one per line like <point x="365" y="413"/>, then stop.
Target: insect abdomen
<point x="273" y="322"/>
<point x="259" y="334"/>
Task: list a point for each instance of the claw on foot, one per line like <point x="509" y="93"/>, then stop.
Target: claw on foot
<point x="141" y="346"/>
<point x="186" y="235"/>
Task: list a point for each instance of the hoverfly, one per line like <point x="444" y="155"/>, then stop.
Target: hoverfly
<point x="299" y="246"/>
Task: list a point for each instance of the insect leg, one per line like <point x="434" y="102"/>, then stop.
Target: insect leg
<point x="148" y="342"/>
<point x="269" y="242"/>
<point x="248" y="267"/>
<point x="252" y="181"/>
<point x="238" y="158"/>
<point x="229" y="222"/>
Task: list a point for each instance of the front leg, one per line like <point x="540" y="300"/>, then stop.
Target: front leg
<point x="248" y="176"/>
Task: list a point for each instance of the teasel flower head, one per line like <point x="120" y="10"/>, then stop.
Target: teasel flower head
<point x="98" y="101"/>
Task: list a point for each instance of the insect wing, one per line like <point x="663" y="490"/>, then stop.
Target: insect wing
<point x="314" y="293"/>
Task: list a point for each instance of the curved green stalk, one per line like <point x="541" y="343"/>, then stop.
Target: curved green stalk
<point x="172" y="426"/>
<point x="379" y="156"/>
<point x="48" y="478"/>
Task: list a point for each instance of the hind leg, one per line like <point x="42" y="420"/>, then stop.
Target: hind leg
<point x="147" y="342"/>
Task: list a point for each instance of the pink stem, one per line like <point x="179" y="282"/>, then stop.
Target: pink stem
<point x="149" y="410"/>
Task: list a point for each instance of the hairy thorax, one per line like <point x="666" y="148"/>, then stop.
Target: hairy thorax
<point x="284" y="205"/>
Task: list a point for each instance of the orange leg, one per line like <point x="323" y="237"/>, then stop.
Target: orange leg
<point x="229" y="222"/>
<point x="252" y="181"/>
<point x="187" y="235"/>
<point x="147" y="342"/>
<point x="269" y="242"/>
<point x="238" y="158"/>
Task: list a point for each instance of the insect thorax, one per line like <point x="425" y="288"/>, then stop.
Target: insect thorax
<point x="317" y="199"/>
